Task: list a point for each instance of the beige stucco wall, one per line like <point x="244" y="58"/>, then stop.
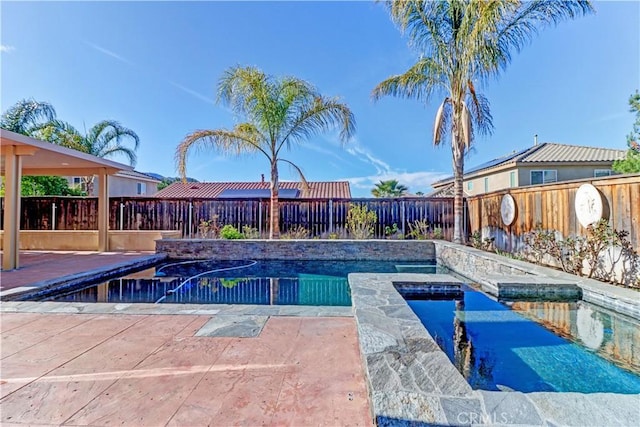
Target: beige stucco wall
<point x="500" y="180"/>
<point x="565" y="173"/>
<point x="87" y="240"/>
<point x="497" y="181"/>
<point x="120" y="186"/>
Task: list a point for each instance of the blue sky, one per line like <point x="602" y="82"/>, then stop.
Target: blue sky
<point x="154" y="66"/>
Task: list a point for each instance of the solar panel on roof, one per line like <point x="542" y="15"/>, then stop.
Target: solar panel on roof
<point x="497" y="161"/>
<point x="258" y="193"/>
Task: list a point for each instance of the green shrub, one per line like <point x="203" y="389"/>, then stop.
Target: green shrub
<point x="393" y="232"/>
<point x="296" y="233"/>
<point x="250" y="232"/>
<point x="231" y="233"/>
<point x="437" y="233"/>
<point x="209" y="229"/>
<point x="360" y="222"/>
<point x="419" y="230"/>
<point x="478" y="242"/>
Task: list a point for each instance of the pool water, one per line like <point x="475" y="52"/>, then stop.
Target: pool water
<point x="535" y="346"/>
<point x="317" y="283"/>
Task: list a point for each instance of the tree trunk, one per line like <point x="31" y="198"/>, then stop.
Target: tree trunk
<point x="274" y="229"/>
<point x="457" y="147"/>
<point x="88" y="182"/>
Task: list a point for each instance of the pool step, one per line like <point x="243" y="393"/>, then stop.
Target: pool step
<point x="434" y="286"/>
<point x="529" y="287"/>
<point x="424" y="268"/>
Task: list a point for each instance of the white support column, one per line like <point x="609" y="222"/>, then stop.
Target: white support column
<point x="103" y="211"/>
<point x="11" y="239"/>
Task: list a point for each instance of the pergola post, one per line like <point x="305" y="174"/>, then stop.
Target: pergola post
<point x="103" y="211"/>
<point x="11" y="238"/>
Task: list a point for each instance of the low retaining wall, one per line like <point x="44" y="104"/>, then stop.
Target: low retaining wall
<point x="87" y="240"/>
<point x="341" y="250"/>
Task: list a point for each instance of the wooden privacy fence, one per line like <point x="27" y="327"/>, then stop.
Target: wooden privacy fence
<point x="321" y="217"/>
<point x="552" y="206"/>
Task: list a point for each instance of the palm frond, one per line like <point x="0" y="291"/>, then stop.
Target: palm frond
<point x="305" y="183"/>
<point x="245" y="138"/>
<point x="418" y="82"/>
<point x="480" y="111"/>
<point x="27" y="114"/>
<point x="118" y="149"/>
<point x="441" y="124"/>
<point x="59" y="132"/>
<point x="110" y="131"/>
<point x="523" y="22"/>
<point x="323" y="114"/>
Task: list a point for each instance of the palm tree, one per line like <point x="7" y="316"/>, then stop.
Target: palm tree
<point x="104" y="139"/>
<point x="278" y="113"/>
<point x="26" y="115"/>
<point x="463" y="42"/>
<point x="389" y="188"/>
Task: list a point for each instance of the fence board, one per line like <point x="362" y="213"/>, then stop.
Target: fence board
<point x="319" y="216"/>
<point x="552" y="206"/>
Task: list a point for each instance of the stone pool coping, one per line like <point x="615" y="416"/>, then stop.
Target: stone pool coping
<point x="481" y="266"/>
<point x="412" y="382"/>
<point x="174" y="309"/>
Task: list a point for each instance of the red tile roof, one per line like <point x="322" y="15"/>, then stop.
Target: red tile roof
<point x="211" y="190"/>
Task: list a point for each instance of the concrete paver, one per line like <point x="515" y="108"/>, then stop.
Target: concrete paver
<point x="152" y="370"/>
<point x="37" y="266"/>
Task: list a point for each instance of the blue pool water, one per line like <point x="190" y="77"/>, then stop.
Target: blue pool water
<point x="237" y="282"/>
<point x="535" y="346"/>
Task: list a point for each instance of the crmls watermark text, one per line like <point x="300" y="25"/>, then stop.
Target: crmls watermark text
<point x="467" y="418"/>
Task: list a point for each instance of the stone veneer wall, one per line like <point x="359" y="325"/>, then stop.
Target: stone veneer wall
<point x="471" y="262"/>
<point x="332" y="250"/>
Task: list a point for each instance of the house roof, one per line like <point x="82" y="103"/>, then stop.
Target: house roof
<point x="553" y="153"/>
<point x="138" y="175"/>
<point x="212" y="190"/>
<point x="444" y="191"/>
<point x="547" y="152"/>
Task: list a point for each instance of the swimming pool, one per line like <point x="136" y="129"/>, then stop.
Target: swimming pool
<point x="318" y="283"/>
<point x="533" y="346"/>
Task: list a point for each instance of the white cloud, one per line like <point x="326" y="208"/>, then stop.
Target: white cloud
<point x="325" y="151"/>
<point x="364" y="155"/>
<point x="108" y="53"/>
<point x="416" y="181"/>
<point x="193" y="93"/>
<point x="362" y="185"/>
<point x="6" y="48"/>
<point x="611" y="117"/>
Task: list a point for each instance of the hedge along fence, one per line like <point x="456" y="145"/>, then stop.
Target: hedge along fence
<point x="321" y="217"/>
<point x="553" y="207"/>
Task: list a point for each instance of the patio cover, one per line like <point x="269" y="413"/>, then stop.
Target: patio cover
<point x="22" y="155"/>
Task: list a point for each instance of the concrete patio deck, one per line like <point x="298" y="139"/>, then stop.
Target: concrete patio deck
<point x="153" y="369"/>
<point x="42" y="268"/>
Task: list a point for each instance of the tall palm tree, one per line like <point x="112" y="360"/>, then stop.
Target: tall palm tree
<point x="462" y="43"/>
<point x="26" y="115"/>
<point x="278" y="113"/>
<point x="389" y="188"/>
<point x="105" y="139"/>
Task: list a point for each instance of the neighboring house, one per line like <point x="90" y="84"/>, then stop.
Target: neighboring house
<point x="122" y="184"/>
<point x="540" y="164"/>
<point x="228" y="190"/>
